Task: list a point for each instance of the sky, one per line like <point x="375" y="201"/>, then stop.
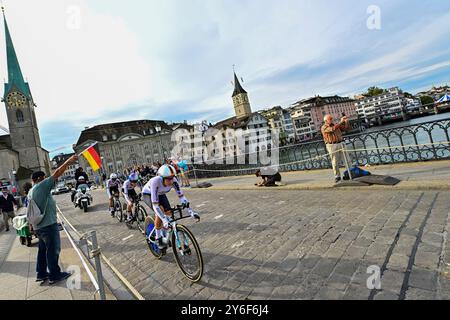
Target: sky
<point x="99" y="61"/>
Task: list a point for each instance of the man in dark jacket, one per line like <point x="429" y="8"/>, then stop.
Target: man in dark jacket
<point x="79" y="173"/>
<point x="7" y="203"/>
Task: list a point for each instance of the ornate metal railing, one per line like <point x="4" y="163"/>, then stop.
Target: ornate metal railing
<point x="423" y="142"/>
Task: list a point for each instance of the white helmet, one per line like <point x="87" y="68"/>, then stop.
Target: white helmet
<point x="81" y="178"/>
<point x="167" y="171"/>
<point x="113" y="176"/>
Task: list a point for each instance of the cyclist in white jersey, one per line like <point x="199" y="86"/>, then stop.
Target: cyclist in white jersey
<point x="154" y="195"/>
<point x="129" y="193"/>
<point x="113" y="186"/>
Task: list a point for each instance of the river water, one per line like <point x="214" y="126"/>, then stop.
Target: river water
<point x="412" y="132"/>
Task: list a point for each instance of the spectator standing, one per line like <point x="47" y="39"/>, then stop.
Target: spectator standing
<point x="7" y="204"/>
<point x="47" y="230"/>
<point x="26" y="189"/>
<point x="184" y="173"/>
<point x="104" y="177"/>
<point x="332" y="135"/>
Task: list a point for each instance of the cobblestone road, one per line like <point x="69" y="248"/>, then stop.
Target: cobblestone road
<point x="270" y="244"/>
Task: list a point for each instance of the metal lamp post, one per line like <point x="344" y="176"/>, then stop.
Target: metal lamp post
<point x="161" y="148"/>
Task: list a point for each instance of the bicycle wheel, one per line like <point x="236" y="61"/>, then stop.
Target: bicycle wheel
<point x="149" y="225"/>
<point x="142" y="214"/>
<point x="187" y="254"/>
<point x="118" y="210"/>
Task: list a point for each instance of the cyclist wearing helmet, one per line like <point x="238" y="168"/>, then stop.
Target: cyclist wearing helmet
<point x="155" y="197"/>
<point x="113" y="186"/>
<point x="129" y="193"/>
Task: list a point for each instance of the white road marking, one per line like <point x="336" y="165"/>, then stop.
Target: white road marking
<point x="200" y="205"/>
<point x="127" y="238"/>
<point x="218" y="217"/>
<point x="238" y="244"/>
<point x="280" y="202"/>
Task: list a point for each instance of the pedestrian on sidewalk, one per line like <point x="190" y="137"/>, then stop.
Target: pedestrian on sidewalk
<point x="104" y="180"/>
<point x="7" y="204"/>
<point x="26" y="189"/>
<point x="332" y="134"/>
<point x="47" y="230"/>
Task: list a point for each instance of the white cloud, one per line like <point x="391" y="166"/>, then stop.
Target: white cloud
<point x="178" y="53"/>
<point x="75" y="73"/>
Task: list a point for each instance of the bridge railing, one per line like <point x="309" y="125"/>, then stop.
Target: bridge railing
<point x="409" y="143"/>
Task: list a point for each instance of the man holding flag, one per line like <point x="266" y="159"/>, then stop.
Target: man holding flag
<point x="47" y="267"/>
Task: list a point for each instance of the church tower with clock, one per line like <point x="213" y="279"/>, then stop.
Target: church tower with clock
<point x="241" y="102"/>
<point x="20" y="110"/>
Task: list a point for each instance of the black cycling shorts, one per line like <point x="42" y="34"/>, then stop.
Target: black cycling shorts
<point x="163" y="201"/>
<point x="114" y="190"/>
<point x="132" y="195"/>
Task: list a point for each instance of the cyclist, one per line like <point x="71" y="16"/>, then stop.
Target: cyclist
<point x="113" y="186"/>
<point x="129" y="193"/>
<point x="155" y="197"/>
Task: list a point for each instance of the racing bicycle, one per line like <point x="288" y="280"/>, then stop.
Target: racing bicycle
<point x="184" y="245"/>
<point x="138" y="215"/>
<point x="117" y="205"/>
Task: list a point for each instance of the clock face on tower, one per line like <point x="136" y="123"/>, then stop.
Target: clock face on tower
<point x="16" y="99"/>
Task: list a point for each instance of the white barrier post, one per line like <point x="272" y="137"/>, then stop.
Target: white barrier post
<point x="344" y="152"/>
<point x="98" y="266"/>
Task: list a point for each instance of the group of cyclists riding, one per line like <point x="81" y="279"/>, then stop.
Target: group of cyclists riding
<point x="154" y="194"/>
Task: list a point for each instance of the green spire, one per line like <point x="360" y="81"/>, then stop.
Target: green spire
<point x="15" y="77"/>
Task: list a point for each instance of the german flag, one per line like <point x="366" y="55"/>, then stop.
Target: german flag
<point x="92" y="156"/>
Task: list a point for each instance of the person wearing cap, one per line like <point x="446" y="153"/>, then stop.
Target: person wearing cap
<point x="47" y="230"/>
<point x="7" y="204"/>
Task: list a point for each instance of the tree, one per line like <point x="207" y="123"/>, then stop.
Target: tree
<point x="409" y="95"/>
<point x="427" y="101"/>
<point x="374" y="91"/>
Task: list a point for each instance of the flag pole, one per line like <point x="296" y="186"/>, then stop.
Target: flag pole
<point x="87" y="149"/>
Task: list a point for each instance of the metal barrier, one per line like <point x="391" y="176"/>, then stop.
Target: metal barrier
<point x="413" y="143"/>
<point x="91" y="250"/>
<point x="89" y="246"/>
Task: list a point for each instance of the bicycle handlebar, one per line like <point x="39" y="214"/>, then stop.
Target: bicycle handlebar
<point x="180" y="208"/>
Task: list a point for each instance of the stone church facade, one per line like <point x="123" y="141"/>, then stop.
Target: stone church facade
<point x="21" y="151"/>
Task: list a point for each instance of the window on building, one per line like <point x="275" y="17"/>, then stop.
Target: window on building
<point x="114" y="137"/>
<point x="19" y="115"/>
<point x="105" y="137"/>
